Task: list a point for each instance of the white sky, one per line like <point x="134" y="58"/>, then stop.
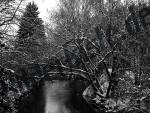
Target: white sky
<point x="45" y="5"/>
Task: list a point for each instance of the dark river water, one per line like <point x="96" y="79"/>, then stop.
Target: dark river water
<point x="56" y="97"/>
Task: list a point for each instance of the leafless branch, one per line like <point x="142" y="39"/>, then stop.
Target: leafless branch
<point x="70" y="73"/>
<point x="1" y="24"/>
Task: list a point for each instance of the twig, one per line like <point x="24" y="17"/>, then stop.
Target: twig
<point x="12" y="16"/>
<point x="92" y="44"/>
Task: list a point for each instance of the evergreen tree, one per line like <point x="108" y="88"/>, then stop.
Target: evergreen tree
<point x="31" y="33"/>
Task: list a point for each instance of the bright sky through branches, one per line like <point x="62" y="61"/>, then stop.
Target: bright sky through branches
<point x="51" y="5"/>
<point x="45" y="5"/>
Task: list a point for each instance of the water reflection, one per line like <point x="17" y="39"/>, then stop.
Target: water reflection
<point x="57" y="95"/>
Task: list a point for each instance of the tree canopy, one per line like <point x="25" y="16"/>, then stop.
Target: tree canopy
<point x="31" y="33"/>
